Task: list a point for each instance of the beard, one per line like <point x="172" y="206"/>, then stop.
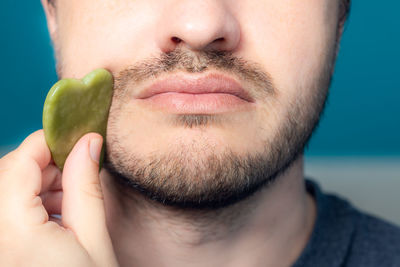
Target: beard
<point x="193" y="175"/>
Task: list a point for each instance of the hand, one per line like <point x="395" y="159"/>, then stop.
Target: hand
<point x="30" y="190"/>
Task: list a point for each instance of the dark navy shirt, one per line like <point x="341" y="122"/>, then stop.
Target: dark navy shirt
<point x="346" y="237"/>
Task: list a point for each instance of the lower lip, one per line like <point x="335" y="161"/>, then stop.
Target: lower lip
<point x="208" y="103"/>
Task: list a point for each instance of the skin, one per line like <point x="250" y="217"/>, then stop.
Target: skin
<point x="103" y="225"/>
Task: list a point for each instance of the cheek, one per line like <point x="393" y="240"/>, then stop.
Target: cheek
<point x="104" y="33"/>
<point x="132" y="127"/>
<point x="293" y="40"/>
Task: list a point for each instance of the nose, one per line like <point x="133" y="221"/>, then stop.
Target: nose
<point x="198" y="25"/>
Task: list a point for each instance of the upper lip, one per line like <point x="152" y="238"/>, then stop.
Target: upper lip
<point x="211" y="83"/>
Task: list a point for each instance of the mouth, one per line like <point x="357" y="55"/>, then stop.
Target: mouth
<point x="185" y="94"/>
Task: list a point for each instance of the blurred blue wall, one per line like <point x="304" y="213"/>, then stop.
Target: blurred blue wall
<point x="362" y="116"/>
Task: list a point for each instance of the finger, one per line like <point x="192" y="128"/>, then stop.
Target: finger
<point x="83" y="206"/>
<point x="51" y="179"/>
<point x="34" y="147"/>
<point x="21" y="180"/>
<point x="30" y="157"/>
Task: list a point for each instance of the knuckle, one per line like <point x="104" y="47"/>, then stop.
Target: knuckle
<point x="7" y="161"/>
<point x="93" y="190"/>
<point x="9" y="168"/>
<point x="14" y="160"/>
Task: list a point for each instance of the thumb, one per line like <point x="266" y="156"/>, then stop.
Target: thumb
<point x="83" y="206"/>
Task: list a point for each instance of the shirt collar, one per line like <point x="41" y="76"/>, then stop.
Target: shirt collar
<point x="333" y="230"/>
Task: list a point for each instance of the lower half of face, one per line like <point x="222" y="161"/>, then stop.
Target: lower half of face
<point x="219" y="156"/>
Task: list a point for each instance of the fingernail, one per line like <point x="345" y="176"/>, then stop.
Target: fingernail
<point x="95" y="148"/>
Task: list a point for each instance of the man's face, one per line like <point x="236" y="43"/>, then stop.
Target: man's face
<point x="195" y="150"/>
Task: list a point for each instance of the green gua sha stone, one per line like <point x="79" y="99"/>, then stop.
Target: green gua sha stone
<point x="76" y="107"/>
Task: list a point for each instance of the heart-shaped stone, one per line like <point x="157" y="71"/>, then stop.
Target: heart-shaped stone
<point x="76" y="107"/>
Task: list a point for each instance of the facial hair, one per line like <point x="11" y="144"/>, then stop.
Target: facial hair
<point x="192" y="176"/>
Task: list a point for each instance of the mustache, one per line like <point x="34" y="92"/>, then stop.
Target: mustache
<point x="197" y="62"/>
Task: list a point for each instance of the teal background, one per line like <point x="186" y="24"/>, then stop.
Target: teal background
<point x="362" y="116"/>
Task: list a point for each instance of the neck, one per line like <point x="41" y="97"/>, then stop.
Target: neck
<point x="270" y="228"/>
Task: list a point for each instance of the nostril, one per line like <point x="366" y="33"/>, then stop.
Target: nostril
<point x="219" y="40"/>
<point x="176" y="40"/>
